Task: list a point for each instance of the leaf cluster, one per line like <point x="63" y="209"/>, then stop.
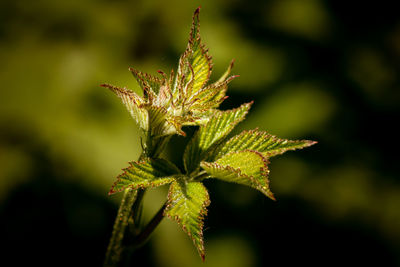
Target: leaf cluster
<point x="182" y="99"/>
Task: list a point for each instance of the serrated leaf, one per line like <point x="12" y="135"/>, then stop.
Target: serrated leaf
<point x="211" y="96"/>
<point x="245" y="167"/>
<point x="226" y="73"/>
<point x="177" y="122"/>
<point x="149" y="84"/>
<point x="164" y="97"/>
<point x="187" y="203"/>
<point x="146" y="173"/>
<point x="159" y="123"/>
<point x="205" y="139"/>
<point x="269" y="145"/>
<point x="133" y="103"/>
<point x="198" y="117"/>
<point x="195" y="64"/>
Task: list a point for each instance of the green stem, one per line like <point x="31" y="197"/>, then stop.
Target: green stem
<point x="137" y="208"/>
<point x="115" y="248"/>
<point x="141" y="238"/>
<point x="200" y="176"/>
<point x="144" y="235"/>
<point x="130" y="211"/>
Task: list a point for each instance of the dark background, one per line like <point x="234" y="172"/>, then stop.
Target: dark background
<point x="319" y="70"/>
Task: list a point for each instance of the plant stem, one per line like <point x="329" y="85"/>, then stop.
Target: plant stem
<point x="137" y="210"/>
<point x="130" y="211"/>
<point x="200" y="176"/>
<point x="115" y="248"/>
<point x="143" y="236"/>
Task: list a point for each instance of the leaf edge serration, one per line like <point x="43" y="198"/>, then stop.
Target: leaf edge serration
<point x="201" y="216"/>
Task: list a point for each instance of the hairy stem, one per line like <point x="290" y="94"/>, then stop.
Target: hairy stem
<point x="115" y="248"/>
<point x="137" y="209"/>
<point x="141" y="238"/>
<point x="130" y="211"/>
<point x="144" y="235"/>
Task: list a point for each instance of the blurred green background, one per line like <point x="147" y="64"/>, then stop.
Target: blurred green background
<point x="320" y="70"/>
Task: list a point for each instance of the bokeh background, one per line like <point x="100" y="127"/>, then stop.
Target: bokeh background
<point x="320" y="70"/>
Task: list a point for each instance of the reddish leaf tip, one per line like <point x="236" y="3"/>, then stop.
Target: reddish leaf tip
<point x="197" y="10"/>
<point x="232" y="63"/>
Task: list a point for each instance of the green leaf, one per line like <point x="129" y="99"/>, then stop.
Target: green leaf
<point x="187" y="203"/>
<point x="149" y="84"/>
<point x="226" y="73"/>
<point x="210" y="97"/>
<point x="260" y="141"/>
<point x="158" y="122"/>
<point x="146" y="173"/>
<point x="133" y="103"/>
<point x="245" y="167"/>
<point x="195" y="64"/>
<point x="208" y="136"/>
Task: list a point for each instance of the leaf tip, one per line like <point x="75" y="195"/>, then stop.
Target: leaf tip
<point x="247" y="106"/>
<point x="197" y="11"/>
<point x="271" y="196"/>
<point x="311" y="143"/>
<point x="105" y="85"/>
<point x="112" y="191"/>
<point x="308" y="143"/>
<point x="232" y="63"/>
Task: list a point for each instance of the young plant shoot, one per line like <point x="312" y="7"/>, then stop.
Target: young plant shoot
<point x="169" y="102"/>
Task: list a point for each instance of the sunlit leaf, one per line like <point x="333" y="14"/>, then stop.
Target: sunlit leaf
<point x="149" y="84"/>
<point x="187" y="203"/>
<point x="246" y="167"/>
<point x="146" y="173"/>
<point x="195" y="64"/>
<point x="262" y="142"/>
<point x="218" y="127"/>
<point x="184" y="98"/>
<point x="226" y="73"/>
<point x="159" y="123"/>
<point x="133" y="103"/>
<point x="211" y="96"/>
